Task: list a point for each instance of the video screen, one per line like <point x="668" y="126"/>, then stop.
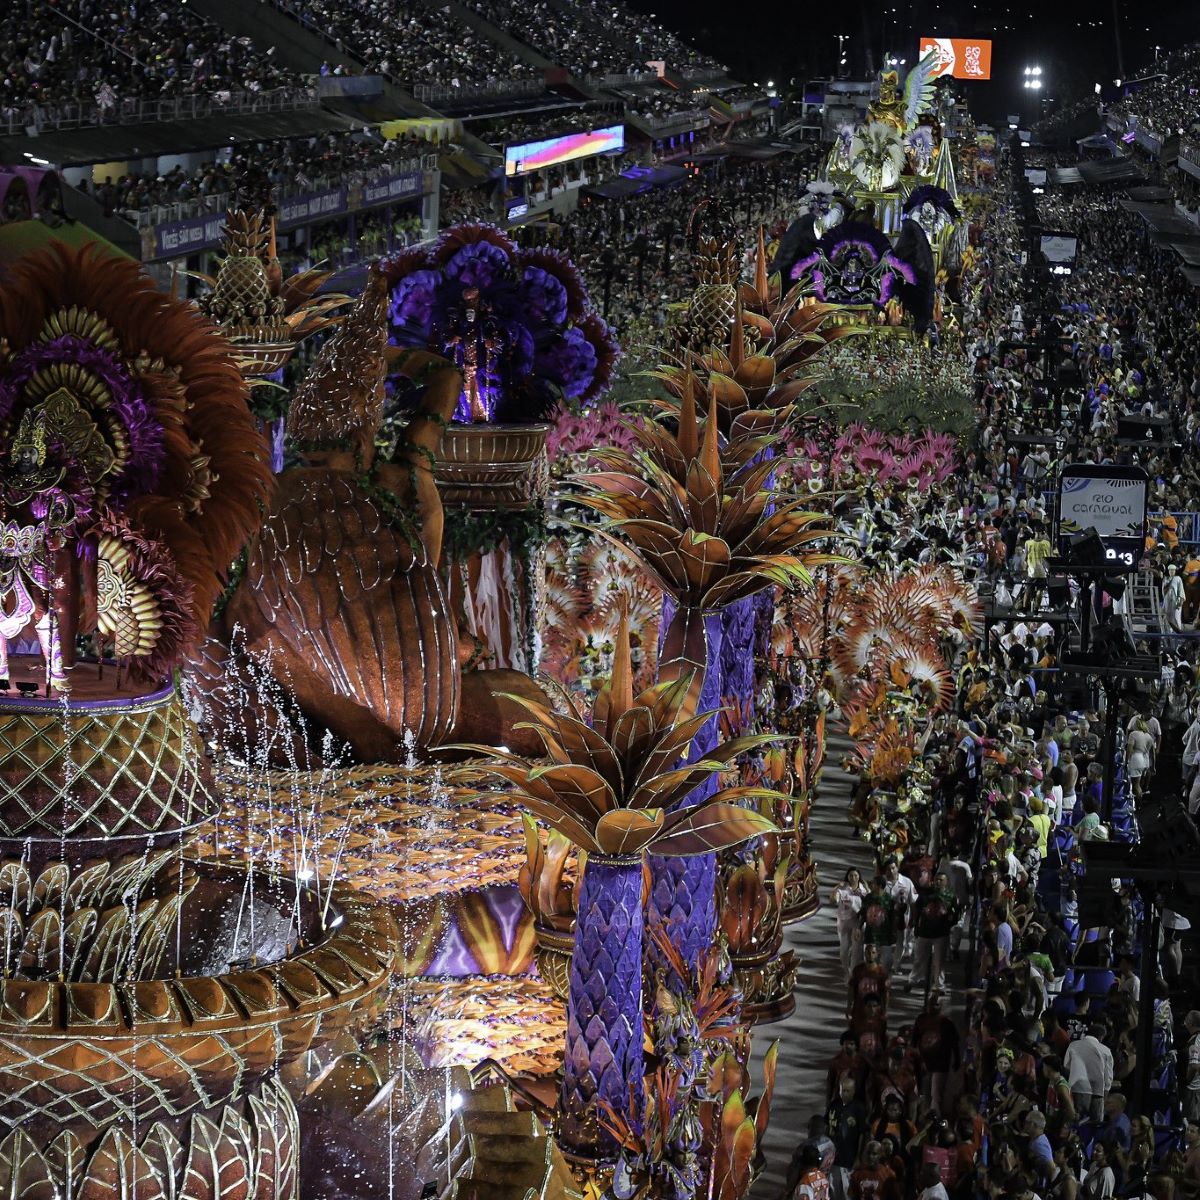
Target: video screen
<point x="962" y="58"/>
<point x="1109" y="499"/>
<point x="549" y="152"/>
<point x="1060" y="248"/>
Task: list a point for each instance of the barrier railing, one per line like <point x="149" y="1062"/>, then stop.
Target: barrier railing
<point x="493" y="89"/>
<point x="691" y="117"/>
<point x="630" y="79"/>
<point x="135" y="111"/>
<point x="216" y="202"/>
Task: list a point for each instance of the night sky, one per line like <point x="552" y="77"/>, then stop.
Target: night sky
<point x="1073" y="42"/>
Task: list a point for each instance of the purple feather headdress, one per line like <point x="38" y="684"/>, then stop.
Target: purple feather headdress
<point x="522" y="316"/>
<point x="141" y="463"/>
<point x="929" y="193"/>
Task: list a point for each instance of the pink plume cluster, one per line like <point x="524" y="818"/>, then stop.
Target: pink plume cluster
<point x="573" y="433"/>
<point x="906" y="460"/>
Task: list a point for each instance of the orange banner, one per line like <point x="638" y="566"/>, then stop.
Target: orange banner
<point x="963" y="58"/>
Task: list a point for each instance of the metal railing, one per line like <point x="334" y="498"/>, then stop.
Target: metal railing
<point x="492" y="89"/>
<point x="693" y="118"/>
<point x="135" y="111"/>
<point x="703" y="74"/>
<point x="217" y="202"/>
<point x="629" y="79"/>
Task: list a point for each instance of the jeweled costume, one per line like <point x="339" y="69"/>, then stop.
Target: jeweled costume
<point x="36" y="521"/>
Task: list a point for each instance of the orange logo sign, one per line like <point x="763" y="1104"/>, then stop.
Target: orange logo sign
<point x="963" y="58"/>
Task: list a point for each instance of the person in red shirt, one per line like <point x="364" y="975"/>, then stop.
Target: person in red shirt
<point x="1058" y="1104"/>
<point x="872" y="1179"/>
<point x="936" y="1038"/>
<point x="869" y="978"/>
<point x="870" y="1027"/>
<point x="847" y="1061"/>
<point x="895" y="1074"/>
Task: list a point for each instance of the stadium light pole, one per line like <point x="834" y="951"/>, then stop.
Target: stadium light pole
<point x="1032" y="80"/>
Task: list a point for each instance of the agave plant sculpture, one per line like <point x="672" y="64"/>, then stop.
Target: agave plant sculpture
<point x="757" y="393"/>
<point x="675" y="1151"/>
<point x="695" y="511"/>
<point x="614" y="787"/>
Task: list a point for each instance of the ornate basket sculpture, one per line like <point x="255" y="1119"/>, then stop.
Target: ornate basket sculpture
<point x="493" y="466"/>
<point x="149" y="1005"/>
<point x="98" y="777"/>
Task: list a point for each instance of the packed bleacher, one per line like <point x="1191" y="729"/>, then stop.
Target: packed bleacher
<point x="260" y="172"/>
<point x="591" y="39"/>
<point x="1171" y="104"/>
<point x="645" y="38"/>
<point x="512" y="130"/>
<point x="562" y="37"/>
<point x="106" y="55"/>
<point x="411" y="44"/>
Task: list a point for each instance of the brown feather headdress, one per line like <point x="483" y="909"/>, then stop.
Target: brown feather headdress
<point x="171" y="451"/>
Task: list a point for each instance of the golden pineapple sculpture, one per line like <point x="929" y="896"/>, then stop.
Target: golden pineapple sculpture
<point x="245" y="299"/>
<point x="709" y="314"/>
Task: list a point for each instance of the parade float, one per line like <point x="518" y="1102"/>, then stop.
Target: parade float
<point x="156" y="1010"/>
<point x="882" y="236"/>
<point x="452" y="509"/>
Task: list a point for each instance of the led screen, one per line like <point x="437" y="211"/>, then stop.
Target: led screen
<point x="1059" y="248"/>
<point x="964" y="58"/>
<point x="534" y="156"/>
<point x="1109" y="499"/>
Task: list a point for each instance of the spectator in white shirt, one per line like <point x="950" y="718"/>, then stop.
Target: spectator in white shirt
<point x="1089" y="1064"/>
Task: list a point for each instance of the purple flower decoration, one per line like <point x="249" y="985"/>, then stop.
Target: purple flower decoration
<point x="570" y="362"/>
<point x="544" y="298"/>
<point x="413" y="300"/>
<point x="528" y="327"/>
<point x="479" y="265"/>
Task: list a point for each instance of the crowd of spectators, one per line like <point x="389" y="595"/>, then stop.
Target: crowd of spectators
<point x="1031" y="1086"/>
<point x="1128" y="320"/>
<point x="1020" y="1077"/>
<point x="591" y="38"/>
<point x="410" y="43"/>
<point x="262" y="172"/>
<point x="105" y="53"/>
<point x="645" y="38"/>
<point x="636" y="251"/>
<point x="519" y="129"/>
<point x="1168" y="104"/>
<point x="562" y="37"/>
<point x="660" y="103"/>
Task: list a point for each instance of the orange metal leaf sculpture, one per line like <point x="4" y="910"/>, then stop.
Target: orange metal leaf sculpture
<point x="613" y="787"/>
<point x="696" y="513"/>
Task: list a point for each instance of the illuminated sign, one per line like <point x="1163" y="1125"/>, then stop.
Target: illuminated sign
<point x="1060" y="248"/>
<point x="534" y="156"/>
<point x="963" y="58"/>
<point x="1109" y="499"/>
